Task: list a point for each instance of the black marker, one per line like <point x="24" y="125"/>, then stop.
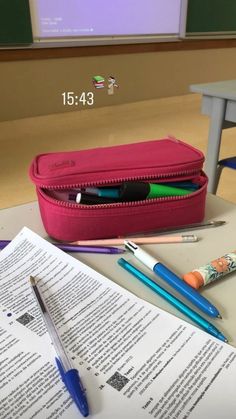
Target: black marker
<point x="80" y="198"/>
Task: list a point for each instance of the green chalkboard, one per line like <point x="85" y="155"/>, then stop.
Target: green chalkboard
<point x="15" y="22"/>
<point x="211" y="16"/>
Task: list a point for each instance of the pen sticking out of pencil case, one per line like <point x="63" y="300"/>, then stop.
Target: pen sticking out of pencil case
<point x="168" y="160"/>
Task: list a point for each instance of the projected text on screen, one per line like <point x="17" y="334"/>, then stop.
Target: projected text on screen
<point x="89" y="18"/>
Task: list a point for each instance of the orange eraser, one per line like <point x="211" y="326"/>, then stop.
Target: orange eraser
<point x="194" y="279"/>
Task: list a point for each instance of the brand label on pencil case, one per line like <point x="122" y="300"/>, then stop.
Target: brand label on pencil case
<point x="61" y="164"/>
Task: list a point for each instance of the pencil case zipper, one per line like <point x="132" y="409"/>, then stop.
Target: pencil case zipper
<point x="188" y="174"/>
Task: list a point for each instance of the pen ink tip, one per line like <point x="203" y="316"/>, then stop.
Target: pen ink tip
<point x="219" y="316"/>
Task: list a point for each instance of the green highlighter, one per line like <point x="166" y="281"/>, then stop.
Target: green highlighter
<point x="132" y="191"/>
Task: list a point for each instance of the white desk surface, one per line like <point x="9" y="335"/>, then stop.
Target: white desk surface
<point x="181" y="258"/>
<point x="223" y="89"/>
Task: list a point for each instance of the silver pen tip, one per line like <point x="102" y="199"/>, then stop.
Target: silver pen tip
<point x="217" y="223"/>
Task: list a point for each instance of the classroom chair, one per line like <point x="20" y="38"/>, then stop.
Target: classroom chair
<point x="229" y="162"/>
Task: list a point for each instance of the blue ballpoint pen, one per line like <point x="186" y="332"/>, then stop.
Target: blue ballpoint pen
<point x="195" y="317"/>
<point x="173" y="280"/>
<point x="70" y="376"/>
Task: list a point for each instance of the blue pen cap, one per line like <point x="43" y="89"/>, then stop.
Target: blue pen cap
<point x="73" y="384"/>
<point x="76" y="390"/>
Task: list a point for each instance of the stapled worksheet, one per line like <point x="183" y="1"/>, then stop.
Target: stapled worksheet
<point x="134" y="359"/>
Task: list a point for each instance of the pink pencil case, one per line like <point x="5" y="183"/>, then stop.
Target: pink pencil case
<point x="158" y="161"/>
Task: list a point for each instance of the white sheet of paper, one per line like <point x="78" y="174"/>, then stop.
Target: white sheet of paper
<point x="135" y="360"/>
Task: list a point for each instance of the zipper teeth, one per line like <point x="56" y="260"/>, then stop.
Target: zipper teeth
<point x="119" y="180"/>
<point x="118" y="204"/>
